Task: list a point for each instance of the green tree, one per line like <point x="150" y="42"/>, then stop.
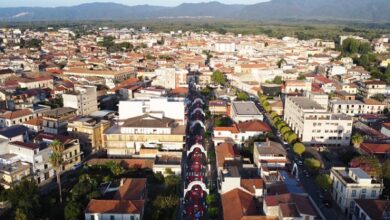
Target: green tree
<point x="168" y="171"/>
<point x="25" y="196"/>
<point x="292" y="137"/>
<point x="213" y="212"/>
<point x="115" y="168"/>
<point x="357" y="140"/>
<point x="242" y="96"/>
<point x="312" y="164"/>
<point x="281" y="62"/>
<point x="73" y="210"/>
<point x="218" y="78"/>
<point x="324" y="181"/>
<point x="211" y="199"/>
<point x="273" y="115"/>
<point x="277" y="80"/>
<point x="20" y="214"/>
<point x="299" y="148"/>
<point x="56" y="160"/>
<point x="284" y="130"/>
<point x="301" y="77"/>
<point x="386" y="177"/>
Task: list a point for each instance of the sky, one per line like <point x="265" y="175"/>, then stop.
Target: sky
<point x="54" y="3"/>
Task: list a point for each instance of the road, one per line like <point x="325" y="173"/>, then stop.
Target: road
<point x="311" y="188"/>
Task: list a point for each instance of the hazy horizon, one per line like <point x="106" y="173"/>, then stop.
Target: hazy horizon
<point x="57" y="3"/>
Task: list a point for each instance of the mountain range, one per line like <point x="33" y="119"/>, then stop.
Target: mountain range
<point x="361" y="10"/>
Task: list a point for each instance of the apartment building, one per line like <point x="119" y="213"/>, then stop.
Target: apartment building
<point x="315" y="125"/>
<point x="56" y="121"/>
<point x="269" y="156"/>
<point x="83" y="98"/>
<point x="71" y="154"/>
<point x="15" y="117"/>
<point x="152" y="130"/>
<point x="12" y="170"/>
<point x="89" y="131"/>
<point x="356" y="107"/>
<point x="372" y="87"/>
<point x="352" y="183"/>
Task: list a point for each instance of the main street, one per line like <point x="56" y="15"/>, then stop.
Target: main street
<point x="308" y="182"/>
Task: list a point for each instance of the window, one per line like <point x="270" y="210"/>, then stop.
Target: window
<point x="112" y="217"/>
<point x="353" y="193"/>
<point x="364" y="190"/>
<point x="373" y="193"/>
<point x="92" y="217"/>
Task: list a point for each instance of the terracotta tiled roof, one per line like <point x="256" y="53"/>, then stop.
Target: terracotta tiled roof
<point x="375" y="148"/>
<point x="34" y="121"/>
<point x="16" y="114"/>
<point x="372" y="102"/>
<point x="114" y="206"/>
<point x="132" y="189"/>
<point x="224" y="151"/>
<point x="252" y="184"/>
<point x="253" y="125"/>
<point x="237" y="203"/>
<point x="232" y="129"/>
<point x="302" y="203"/>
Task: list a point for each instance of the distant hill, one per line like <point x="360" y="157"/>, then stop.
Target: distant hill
<point x="367" y="10"/>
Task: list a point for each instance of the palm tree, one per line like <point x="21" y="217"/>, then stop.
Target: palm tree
<point x="57" y="161"/>
<point x="357" y="139"/>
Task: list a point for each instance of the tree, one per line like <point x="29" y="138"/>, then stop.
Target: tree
<point x="218" y="77"/>
<point x="281" y="62"/>
<point x="301" y="77"/>
<point x="73" y="210"/>
<point x="277" y="80"/>
<point x="242" y="96"/>
<point x="213" y="212"/>
<point x="299" y="148"/>
<point x="284" y="130"/>
<point x="169" y="171"/>
<point x="292" y="137"/>
<point x="56" y="160"/>
<point x="379" y="97"/>
<point x="25" y="196"/>
<point x="211" y="199"/>
<point x="20" y="214"/>
<point x="357" y="139"/>
<point x="324" y="181"/>
<point x="312" y="164"/>
<point x="386" y="177"/>
<point x="115" y="168"/>
<point x="273" y="115"/>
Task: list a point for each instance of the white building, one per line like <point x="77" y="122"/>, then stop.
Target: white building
<point x="170" y="107"/>
<point x="352" y="183"/>
<point x="224" y="47"/>
<point x="84" y="99"/>
<point x="348" y="107"/>
<point x="165" y="77"/>
<point x="315" y="125"/>
<point x="269" y="156"/>
<point x="245" y="111"/>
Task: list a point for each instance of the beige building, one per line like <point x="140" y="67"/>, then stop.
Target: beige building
<point x="56" y="121"/>
<point x="372" y="87"/>
<point x="89" y="131"/>
<point x="83" y="98"/>
<point x="315" y="125"/>
<point x="149" y="131"/>
<point x="352" y="183"/>
<point x="12" y="172"/>
<point x="115" y="75"/>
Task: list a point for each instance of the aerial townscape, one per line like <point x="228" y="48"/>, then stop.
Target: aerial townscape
<point x="191" y="118"/>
